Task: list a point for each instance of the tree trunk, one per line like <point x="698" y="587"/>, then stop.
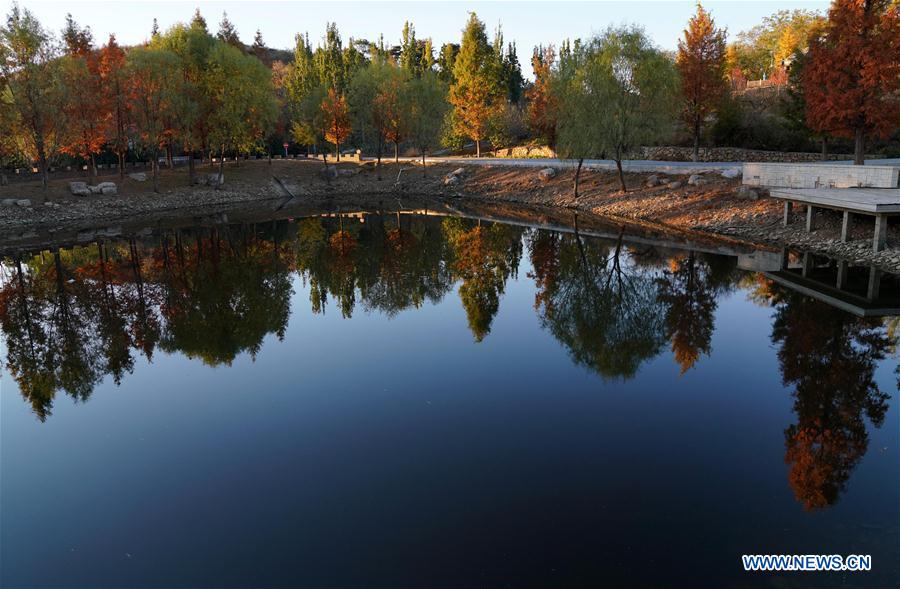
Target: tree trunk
<point x="191" y="168"/>
<point x="170" y="162"/>
<point x="423" y="164"/>
<point x="859" y="153"/>
<point x="824" y="149"/>
<point x="378" y="159"/>
<point x="396" y="152"/>
<point x="155" y="165"/>
<point x="337" y="152"/>
<point x="621" y="175"/>
<point x="121" y="159"/>
<point x="578" y="175"/>
<point x="478" y="148"/>
<point x="325" y="163"/>
<point x="221" y="179"/>
<point x="93" y="166"/>
<point x="42" y="162"/>
<point x="696" y="154"/>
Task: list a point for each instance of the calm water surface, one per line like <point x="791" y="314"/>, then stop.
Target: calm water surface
<point x="336" y="403"/>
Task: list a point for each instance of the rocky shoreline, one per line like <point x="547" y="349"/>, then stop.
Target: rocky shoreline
<point x="707" y="205"/>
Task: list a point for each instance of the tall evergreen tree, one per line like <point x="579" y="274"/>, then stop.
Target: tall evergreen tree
<point x="446" y="61"/>
<point x="228" y="34"/>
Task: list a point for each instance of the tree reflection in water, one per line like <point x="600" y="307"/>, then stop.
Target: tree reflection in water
<point x="72" y="317"/>
<point x="829" y="357"/>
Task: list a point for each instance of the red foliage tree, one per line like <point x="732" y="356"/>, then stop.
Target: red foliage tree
<point x="852" y="80"/>
<point x="336" y="117"/>
<point x="116" y="98"/>
<point x="542" y="107"/>
<point x="701" y="63"/>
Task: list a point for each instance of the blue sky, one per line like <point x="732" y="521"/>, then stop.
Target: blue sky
<point x="528" y="23"/>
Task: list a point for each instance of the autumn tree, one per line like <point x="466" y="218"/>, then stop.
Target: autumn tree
<point x="476" y="93"/>
<point x="852" y="79"/>
<point x="228" y="34"/>
<point x="34" y="92"/>
<point x="116" y="98"/>
<point x="701" y="63"/>
<point x="336" y="117"/>
<point x="372" y="99"/>
<point x="541" y="100"/>
<point x="259" y="47"/>
<point x="758" y="52"/>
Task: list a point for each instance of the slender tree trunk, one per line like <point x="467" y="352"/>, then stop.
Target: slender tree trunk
<point x="696" y="155"/>
<point x="337" y="152"/>
<point x="155" y="165"/>
<point x="221" y="179"/>
<point x="94" y="166"/>
<point x="378" y="158"/>
<point x="42" y="162"/>
<point x="478" y="148"/>
<point x="191" y="173"/>
<point x="120" y="156"/>
<point x="325" y="163"/>
<point x="578" y="174"/>
<point x="824" y="149"/>
<point x="859" y="153"/>
<point x="396" y="152"/>
<point x="423" y="164"/>
<point x="170" y="162"/>
<point x="621" y="175"/>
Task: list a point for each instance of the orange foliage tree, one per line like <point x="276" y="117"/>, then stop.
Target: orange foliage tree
<point x="117" y="100"/>
<point x="701" y="63"/>
<point x="541" y="100"/>
<point x="388" y="114"/>
<point x="336" y="117"/>
<point x="852" y="79"/>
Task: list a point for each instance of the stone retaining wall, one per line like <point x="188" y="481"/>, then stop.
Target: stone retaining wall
<point x="733" y="154"/>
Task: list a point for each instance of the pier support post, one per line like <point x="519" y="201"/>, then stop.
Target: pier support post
<point x="880" y="241"/>
<point x="810" y="211"/>
<point x="788" y="205"/>
<point x="807" y="264"/>
<point x="842" y="270"/>
<point x="785" y="258"/>
<point x="846" y="226"/>
<point x="874" y="284"/>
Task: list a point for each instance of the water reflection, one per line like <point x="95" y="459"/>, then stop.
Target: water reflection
<point x="73" y="316"/>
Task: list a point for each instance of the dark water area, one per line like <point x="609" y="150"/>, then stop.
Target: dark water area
<point x="425" y="401"/>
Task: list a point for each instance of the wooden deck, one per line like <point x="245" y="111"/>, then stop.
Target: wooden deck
<point x="877" y="202"/>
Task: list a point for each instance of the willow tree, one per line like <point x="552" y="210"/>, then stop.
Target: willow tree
<point x="624" y="94"/>
<point x="29" y="67"/>
<point x="476" y="93"/>
<point x="243" y="101"/>
<point x="425" y="105"/>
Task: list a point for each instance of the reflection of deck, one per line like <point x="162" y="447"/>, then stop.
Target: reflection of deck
<point x="855" y="290"/>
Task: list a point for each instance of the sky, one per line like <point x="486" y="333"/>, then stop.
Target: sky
<point x="527" y="23"/>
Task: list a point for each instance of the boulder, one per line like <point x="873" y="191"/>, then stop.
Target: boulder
<point x="79" y="188"/>
<point x="329" y="173"/>
<point x="547" y="174"/>
<point x="24" y="202"/>
<point x="108" y="188"/>
<point x="458" y="172"/>
<point x="94" y="189"/>
<point x="653" y="181"/>
<point x="9" y="202"/>
<point x="732" y="173"/>
<point x="747" y="193"/>
<point x="451" y="180"/>
<point x="696" y="180"/>
<point x="215" y="179"/>
<point x="138" y="176"/>
<point x="347" y="172"/>
<point x="674" y="185"/>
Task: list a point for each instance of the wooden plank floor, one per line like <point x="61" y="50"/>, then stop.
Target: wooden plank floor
<point x="856" y="200"/>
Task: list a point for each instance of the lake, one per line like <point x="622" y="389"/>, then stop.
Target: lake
<point x="435" y="401"/>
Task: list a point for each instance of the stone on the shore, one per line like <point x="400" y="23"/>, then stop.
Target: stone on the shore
<point x="732" y="173"/>
<point x="451" y="180"/>
<point x="696" y="180"/>
<point x="675" y="185"/>
<point x="138" y="176"/>
<point x="347" y="172"/>
<point x="547" y="174"/>
<point x="79" y="188"/>
<point x="24" y="202"/>
<point x="108" y="188"/>
<point x="458" y="172"/>
<point x="329" y="173"/>
<point x="747" y="193"/>
<point x="652" y="181"/>
<point x="215" y="179"/>
<point x="9" y="202"/>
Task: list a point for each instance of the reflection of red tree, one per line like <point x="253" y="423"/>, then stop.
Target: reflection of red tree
<point x="830" y="358"/>
<point x="544" y="247"/>
<point x="691" y="304"/>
